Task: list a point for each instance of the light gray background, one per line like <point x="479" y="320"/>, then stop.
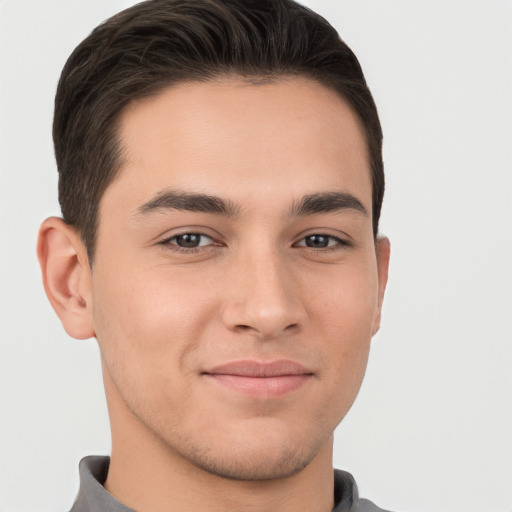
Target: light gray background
<point x="431" y="429"/>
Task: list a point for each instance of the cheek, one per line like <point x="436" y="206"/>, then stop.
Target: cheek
<point x="147" y="323"/>
<point x="344" y="310"/>
<point x="345" y="300"/>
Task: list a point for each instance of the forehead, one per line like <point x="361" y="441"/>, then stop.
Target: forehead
<point x="242" y="139"/>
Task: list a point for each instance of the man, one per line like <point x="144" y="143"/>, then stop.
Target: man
<point x="221" y="181"/>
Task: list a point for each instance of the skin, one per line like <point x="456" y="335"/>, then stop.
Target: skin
<point x="253" y="290"/>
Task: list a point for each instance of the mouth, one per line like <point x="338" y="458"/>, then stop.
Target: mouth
<point x="260" y="379"/>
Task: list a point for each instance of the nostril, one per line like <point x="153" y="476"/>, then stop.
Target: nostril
<point x="264" y="320"/>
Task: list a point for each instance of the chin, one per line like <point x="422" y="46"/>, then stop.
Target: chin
<point x="256" y="465"/>
<point x="268" y="453"/>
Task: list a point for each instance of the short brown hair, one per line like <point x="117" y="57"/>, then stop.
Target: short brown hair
<point x="158" y="43"/>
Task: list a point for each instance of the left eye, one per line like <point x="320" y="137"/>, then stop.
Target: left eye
<point x="190" y="240"/>
<point x="320" y="241"/>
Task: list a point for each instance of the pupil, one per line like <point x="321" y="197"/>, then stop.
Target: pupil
<point x="317" y="241"/>
<point x="188" y="240"/>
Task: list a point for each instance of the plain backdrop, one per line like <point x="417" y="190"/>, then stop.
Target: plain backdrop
<point x="431" y="429"/>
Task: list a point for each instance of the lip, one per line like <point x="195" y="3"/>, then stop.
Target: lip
<point x="260" y="379"/>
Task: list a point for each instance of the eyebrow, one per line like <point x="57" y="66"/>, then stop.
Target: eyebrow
<point x="192" y="202"/>
<point x="323" y="202"/>
<point x="327" y="202"/>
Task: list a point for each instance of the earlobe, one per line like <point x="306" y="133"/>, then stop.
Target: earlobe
<point x="383" y="250"/>
<point x="66" y="276"/>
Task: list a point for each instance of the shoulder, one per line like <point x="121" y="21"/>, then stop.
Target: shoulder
<point x="367" y="506"/>
<point x="346" y="495"/>
<point x="92" y="496"/>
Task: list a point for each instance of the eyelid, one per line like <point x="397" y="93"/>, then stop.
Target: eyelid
<point x="166" y="242"/>
<point x="340" y="242"/>
<point x="203" y="235"/>
<point x="342" y="237"/>
<point x="171" y="233"/>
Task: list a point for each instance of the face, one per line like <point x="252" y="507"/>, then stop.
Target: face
<point x="235" y="287"/>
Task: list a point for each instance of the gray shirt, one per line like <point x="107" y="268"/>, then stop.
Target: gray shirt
<point x="92" y="497"/>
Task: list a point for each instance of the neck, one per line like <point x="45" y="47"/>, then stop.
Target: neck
<point x="147" y="475"/>
<point x="147" y="484"/>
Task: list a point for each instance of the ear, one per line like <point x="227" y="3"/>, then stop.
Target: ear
<point x="383" y="249"/>
<point x="66" y="276"/>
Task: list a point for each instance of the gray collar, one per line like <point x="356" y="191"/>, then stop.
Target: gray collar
<point x="92" y="497"/>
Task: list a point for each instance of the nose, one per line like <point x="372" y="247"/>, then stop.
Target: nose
<point x="263" y="299"/>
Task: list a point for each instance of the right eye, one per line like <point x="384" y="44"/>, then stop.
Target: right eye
<point x="189" y="240"/>
<point x="322" y="241"/>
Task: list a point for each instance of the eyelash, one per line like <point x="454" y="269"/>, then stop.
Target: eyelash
<point x="338" y="245"/>
<point x="187" y="250"/>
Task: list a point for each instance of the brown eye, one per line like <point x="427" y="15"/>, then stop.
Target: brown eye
<point x="317" y="241"/>
<point x="190" y="240"/>
<point x="320" y="241"/>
